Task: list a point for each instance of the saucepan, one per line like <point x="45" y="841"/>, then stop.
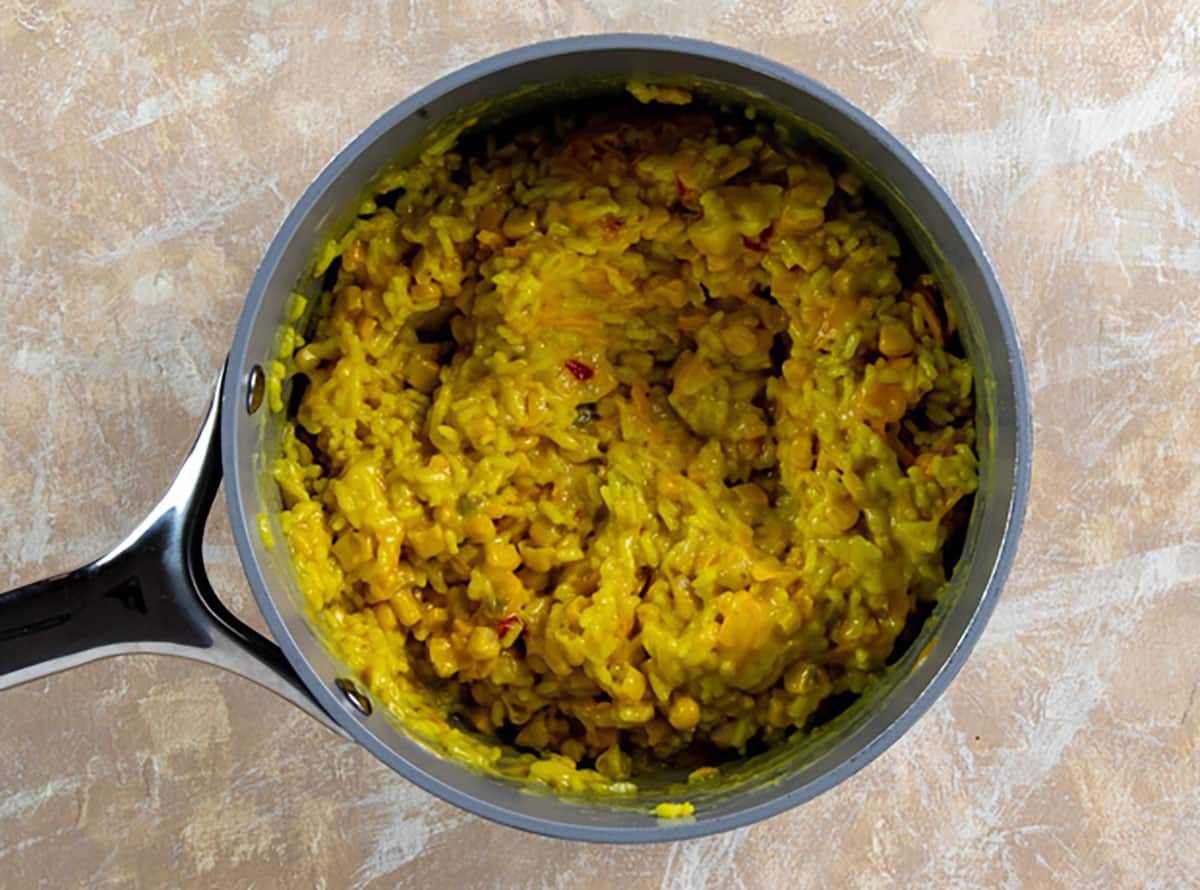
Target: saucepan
<point x="150" y="594"/>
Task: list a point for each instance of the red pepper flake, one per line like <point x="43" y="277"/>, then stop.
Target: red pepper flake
<point x="760" y="241"/>
<point x="506" y="625"/>
<point x="679" y="184"/>
<point x="580" y="371"/>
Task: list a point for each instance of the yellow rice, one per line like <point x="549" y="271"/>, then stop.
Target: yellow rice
<point x="622" y="437"/>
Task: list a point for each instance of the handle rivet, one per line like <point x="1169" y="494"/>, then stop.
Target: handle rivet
<point x="256" y="385"/>
<point x="355" y="695"/>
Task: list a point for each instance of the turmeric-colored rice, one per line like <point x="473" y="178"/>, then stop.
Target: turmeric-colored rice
<point x="623" y="436"/>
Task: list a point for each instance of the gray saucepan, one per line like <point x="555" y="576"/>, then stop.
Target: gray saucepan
<point x="150" y="594"/>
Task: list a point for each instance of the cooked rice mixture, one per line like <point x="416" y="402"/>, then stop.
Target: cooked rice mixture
<point x="622" y="437"/>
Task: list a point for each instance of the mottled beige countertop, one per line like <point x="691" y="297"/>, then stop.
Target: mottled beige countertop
<point x="148" y="153"/>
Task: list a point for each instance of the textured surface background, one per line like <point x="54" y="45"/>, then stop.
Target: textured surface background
<point x="147" y="155"/>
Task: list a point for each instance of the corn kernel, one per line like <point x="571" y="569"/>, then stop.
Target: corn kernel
<point x="739" y="340"/>
<point x="385" y="616"/>
<point x="427" y="542"/>
<point x="499" y="555"/>
<point x="306" y="359"/>
<point x="422" y="373"/>
<point x="479" y="528"/>
<point x="895" y="340"/>
<point x="684" y="713"/>
<point x="539" y="559"/>
<point x="352" y="550"/>
<point x="407" y="610"/>
<point x="442" y="656"/>
<point x="542" y="533"/>
<point x="632" y="686"/>
<point x="614" y="764"/>
<point x="483" y="644"/>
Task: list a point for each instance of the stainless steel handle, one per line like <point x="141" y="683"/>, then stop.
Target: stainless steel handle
<point x="149" y="594"/>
